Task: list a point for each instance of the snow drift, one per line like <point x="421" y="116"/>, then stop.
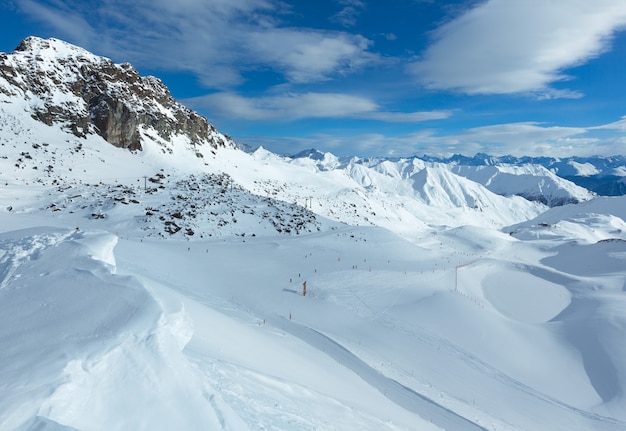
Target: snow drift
<point x="161" y="288"/>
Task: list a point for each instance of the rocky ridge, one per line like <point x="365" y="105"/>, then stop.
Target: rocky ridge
<point x="87" y="94"/>
<point x="197" y="206"/>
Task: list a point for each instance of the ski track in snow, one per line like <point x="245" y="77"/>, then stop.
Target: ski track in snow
<point x="396" y="392"/>
<point x="419" y="403"/>
<point x="20" y="250"/>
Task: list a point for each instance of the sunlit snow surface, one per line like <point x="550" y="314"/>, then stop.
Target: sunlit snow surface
<point x="431" y="302"/>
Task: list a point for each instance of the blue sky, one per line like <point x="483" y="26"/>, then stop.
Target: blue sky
<point x="364" y="77"/>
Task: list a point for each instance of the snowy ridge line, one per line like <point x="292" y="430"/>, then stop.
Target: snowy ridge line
<point x="401" y="395"/>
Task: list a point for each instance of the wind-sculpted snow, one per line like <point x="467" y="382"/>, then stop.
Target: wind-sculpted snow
<point x="165" y="289"/>
<point x="469" y="326"/>
<point x="600" y="219"/>
<point x="398" y="393"/>
<point x="82" y="347"/>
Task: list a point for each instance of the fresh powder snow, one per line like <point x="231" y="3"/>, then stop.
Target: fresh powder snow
<point x="164" y="289"/>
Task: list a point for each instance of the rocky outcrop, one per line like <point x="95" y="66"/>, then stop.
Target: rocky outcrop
<point x="90" y="94"/>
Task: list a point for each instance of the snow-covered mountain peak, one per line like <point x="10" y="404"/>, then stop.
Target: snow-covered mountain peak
<point x="311" y="153"/>
<point x="323" y="161"/>
<point x="62" y="101"/>
<point x="533" y="182"/>
<point x="599" y="174"/>
<point x="59" y="83"/>
<point x="50" y="82"/>
<point x="53" y="48"/>
<point x="583" y="169"/>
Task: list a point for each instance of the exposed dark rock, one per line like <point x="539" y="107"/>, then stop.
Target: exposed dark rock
<point x="109" y="99"/>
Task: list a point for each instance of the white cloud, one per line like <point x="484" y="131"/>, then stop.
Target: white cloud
<point x="217" y="41"/>
<point x="617" y="125"/>
<point x="512" y="46"/>
<point x="348" y="15"/>
<point x="407" y="117"/>
<point x="518" y="139"/>
<point x="295" y="106"/>
<point x="519" y="135"/>
<point x="389" y="36"/>
<point x="365" y="144"/>
<point x="521" y="139"/>
<point x="290" y="106"/>
<point x="371" y="144"/>
<point x="307" y="55"/>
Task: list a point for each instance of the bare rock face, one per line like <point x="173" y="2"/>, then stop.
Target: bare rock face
<point x="90" y="94"/>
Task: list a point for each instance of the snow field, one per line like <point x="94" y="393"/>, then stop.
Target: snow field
<point x="457" y="326"/>
<point x="413" y="307"/>
<point x="485" y="326"/>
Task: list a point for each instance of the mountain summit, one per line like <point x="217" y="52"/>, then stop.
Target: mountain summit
<point x="64" y="84"/>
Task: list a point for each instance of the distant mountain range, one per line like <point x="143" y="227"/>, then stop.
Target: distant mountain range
<point x="504" y="176"/>
<point x="604" y="176"/>
<point x="60" y="105"/>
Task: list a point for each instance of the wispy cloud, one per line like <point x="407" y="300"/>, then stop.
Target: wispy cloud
<point x="616" y="125"/>
<point x="504" y="46"/>
<point x="218" y="41"/>
<point x="62" y="16"/>
<point x="364" y="144"/>
<point x="519" y="139"/>
<point x="287" y="107"/>
<point x="296" y="106"/>
<point x="407" y="117"/>
<point x="347" y="16"/>
<point x="308" y="55"/>
<point x="519" y="135"/>
<point x="526" y="138"/>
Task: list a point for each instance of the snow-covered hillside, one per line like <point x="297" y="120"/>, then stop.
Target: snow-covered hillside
<point x="602" y="175"/>
<point x="530" y="181"/>
<point x="533" y="182"/>
<point x="163" y="288"/>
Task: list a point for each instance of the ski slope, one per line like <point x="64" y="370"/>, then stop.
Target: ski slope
<point x="163" y="289"/>
<point x="468" y="328"/>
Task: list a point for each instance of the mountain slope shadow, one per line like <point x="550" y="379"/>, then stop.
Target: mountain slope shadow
<point x="579" y="329"/>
